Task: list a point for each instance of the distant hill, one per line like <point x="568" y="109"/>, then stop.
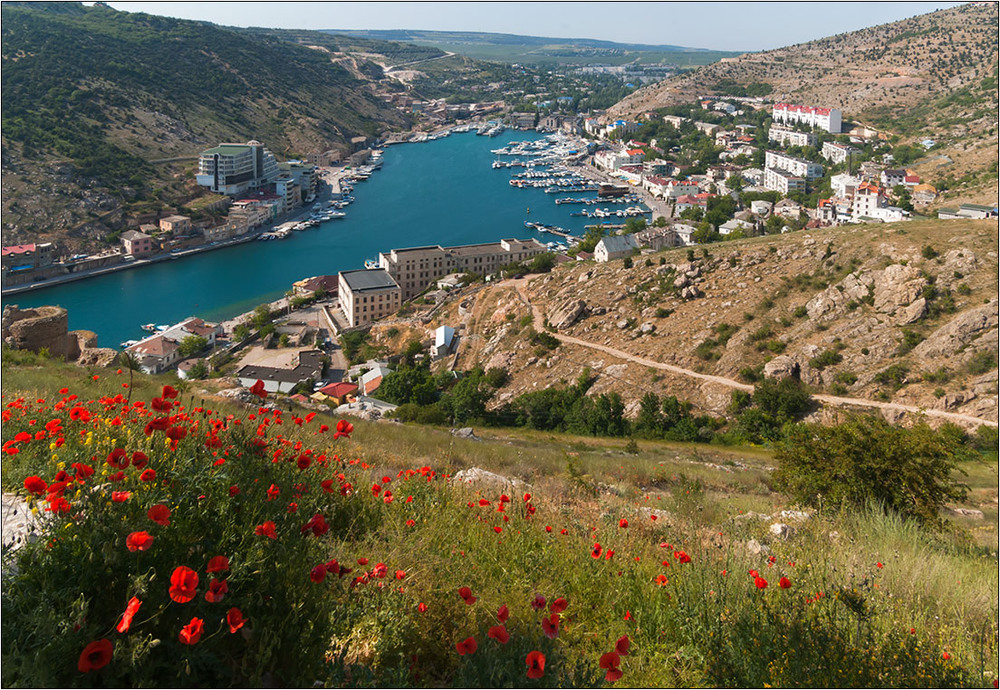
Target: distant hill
<point x="930" y="76"/>
<point x="539" y="49"/>
<point x="92" y="97"/>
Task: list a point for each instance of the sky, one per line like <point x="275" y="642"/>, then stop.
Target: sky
<point x="736" y="26"/>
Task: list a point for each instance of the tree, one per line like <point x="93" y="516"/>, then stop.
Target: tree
<point x="261" y="316"/>
<point x="198" y="370"/>
<point x="241" y="332"/>
<point x="866" y="461"/>
<point x="192" y="345"/>
<point x="649" y="423"/>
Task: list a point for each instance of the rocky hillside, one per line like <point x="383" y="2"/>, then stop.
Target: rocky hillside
<point x="899" y="314"/>
<point x="929" y="76"/>
<point x="98" y="104"/>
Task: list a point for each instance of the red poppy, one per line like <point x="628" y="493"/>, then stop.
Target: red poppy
<point x="258" y="389"/>
<point x="682" y="557"/>
<point x="878" y="565"/>
<point x="234" y="491"/>
<point x="147" y="475"/>
<point x="784" y="583"/>
<point x="364" y="561"/>
<point x="120" y="496"/>
<point x="410" y="523"/>
<point x="169" y="392"/>
<point x="628" y="615"/>
<point x="217" y="564"/>
<point x="538" y="603"/>
<point x="503" y="614"/>
<point x="760" y="582"/>
<point x="183" y="584"/>
<point x="559" y="605"/>
<point x="139" y="541"/>
<point x="217" y="589"/>
<point x="266" y="530"/>
<point x="946" y="656"/>
<point x="550" y="626"/>
<point x="35" y="485"/>
<point x="400" y="574"/>
<point x="422" y="607"/>
<point x="118" y="458"/>
<point x="272" y="492"/>
<point x="596" y="551"/>
<point x="318" y="574"/>
<point x="623" y="523"/>
<point x="498" y="529"/>
<point x="139" y="459"/>
<point x="466" y="594"/>
<point x="527" y="497"/>
<point x="661" y="580"/>
<point x="621" y="646"/>
<point x="235" y="619"/>
<point x="191" y="633"/>
<point x="467" y="646"/>
<point x="536" y="664"/>
<point x="160" y="514"/>
<point x="611" y="662"/>
<point x="95" y="655"/>
<point x="130" y="610"/>
<point x="344" y="428"/>
<point x="498" y="633"/>
<point x="610" y="553"/>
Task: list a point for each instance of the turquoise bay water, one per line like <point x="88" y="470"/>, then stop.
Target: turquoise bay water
<point x="439" y="192"/>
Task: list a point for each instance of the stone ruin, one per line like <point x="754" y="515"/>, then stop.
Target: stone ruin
<point x="48" y="328"/>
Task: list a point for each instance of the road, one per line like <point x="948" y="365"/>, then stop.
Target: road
<point x="539" y="324"/>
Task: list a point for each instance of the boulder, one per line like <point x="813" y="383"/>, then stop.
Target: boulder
<point x="690" y="292"/>
<point x="647" y="327"/>
<point x="465" y="432"/>
<point x="828" y="303"/>
<point x="781" y="530"/>
<point x="856" y="285"/>
<point x="897" y="286"/>
<point x="681" y="282"/>
<point x="479" y="476"/>
<point x="800" y="515"/>
<point x="622" y="324"/>
<point x="781" y="367"/>
<point x="755" y="548"/>
<point x="968" y="512"/>
<point x="912" y="313"/>
<point x="567" y="313"/>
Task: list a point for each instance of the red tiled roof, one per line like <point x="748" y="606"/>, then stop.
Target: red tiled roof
<point x="336" y="390"/>
<point x="15" y="249"/>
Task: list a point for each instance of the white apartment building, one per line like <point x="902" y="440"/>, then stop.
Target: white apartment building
<point x="675" y="120"/>
<point x="614" y="247"/>
<point x="844" y="185"/>
<point x="779" y="180"/>
<point x="367" y="295"/>
<point x="868" y="198"/>
<point x="793" y="164"/>
<point x="675" y="189"/>
<point x="824" y="118"/>
<point x="414" y="268"/>
<point x="836" y="153"/>
<point x="786" y="136"/>
<point x="232" y="169"/>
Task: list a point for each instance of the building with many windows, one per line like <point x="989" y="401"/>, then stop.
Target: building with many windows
<point x="783" y="181"/>
<point x="793" y="164"/>
<point x="786" y="136"/>
<point x="414" y="268"/>
<point x="824" y="118"/>
<point x="232" y="169"/>
<point x="367" y="295"/>
<point x="837" y="153"/>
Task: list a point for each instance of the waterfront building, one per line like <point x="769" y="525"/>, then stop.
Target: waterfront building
<point x="305" y="175"/>
<point x="824" y="118"/>
<point x="415" y="268"/>
<point x="25" y="257"/>
<point x="135" y="243"/>
<point x="793" y="164"/>
<point x="786" y="136"/>
<point x="614" y="247"/>
<point x="176" y="225"/>
<point x="308" y="367"/>
<point x="232" y="169"/>
<point x="367" y="295"/>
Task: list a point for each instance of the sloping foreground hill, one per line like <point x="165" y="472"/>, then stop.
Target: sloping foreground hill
<point x="93" y="97"/>
<point x="245" y="546"/>
<point x="901" y="316"/>
<point x="930" y="76"/>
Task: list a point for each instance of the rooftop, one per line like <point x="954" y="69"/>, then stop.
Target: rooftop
<point x="368" y="279"/>
<point x="226" y="150"/>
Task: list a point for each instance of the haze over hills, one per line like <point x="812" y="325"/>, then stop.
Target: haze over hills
<point x="933" y="75"/>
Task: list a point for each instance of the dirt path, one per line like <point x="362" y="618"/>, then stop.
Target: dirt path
<point x="539" y="323"/>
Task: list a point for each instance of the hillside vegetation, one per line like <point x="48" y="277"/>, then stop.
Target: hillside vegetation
<point x="929" y="76"/>
<point x="92" y="98"/>
<point x="237" y="546"/>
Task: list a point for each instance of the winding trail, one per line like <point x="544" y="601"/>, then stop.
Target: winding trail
<point x="539" y="324"/>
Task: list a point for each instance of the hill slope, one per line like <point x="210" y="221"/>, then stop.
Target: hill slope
<point x="933" y="75"/>
<point x="91" y="96"/>
<point x="859" y="311"/>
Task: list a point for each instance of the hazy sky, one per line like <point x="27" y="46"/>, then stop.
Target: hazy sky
<point x="742" y="26"/>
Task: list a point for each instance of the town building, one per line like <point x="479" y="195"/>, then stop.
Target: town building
<point x="968" y="211"/>
<point x="232" y="169"/>
<point x="837" y="153"/>
<point x="793" y="164"/>
<point x="782" y="181"/>
<point x="844" y="185"/>
<point x="337" y="393"/>
<point x="444" y="339"/>
<point x="308" y="367"/>
<point x="786" y="136"/>
<point x="415" y="268"/>
<point x="867" y="199"/>
<point x="176" y="225"/>
<point x="367" y="295"/>
<point x="655" y="238"/>
<point x="135" y="243"/>
<point x="27" y="257"/>
<point x="675" y="120"/>
<point x="760" y="207"/>
<point x="307" y="287"/>
<point x="614" y="247"/>
<point x="823" y="118"/>
<point x="707" y="128"/>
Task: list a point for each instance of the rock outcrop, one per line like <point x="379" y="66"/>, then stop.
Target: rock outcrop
<point x="958" y="332"/>
<point x="47" y="329"/>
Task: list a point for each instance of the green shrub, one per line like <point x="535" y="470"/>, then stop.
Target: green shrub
<point x="894" y="376"/>
<point x="981" y="362"/>
<point x="845" y="377"/>
<point x="928" y="252"/>
<point x="662" y="313"/>
<point x="800" y="312"/>
<point x="867" y="462"/>
<point x="825" y="359"/>
<point x="706" y="350"/>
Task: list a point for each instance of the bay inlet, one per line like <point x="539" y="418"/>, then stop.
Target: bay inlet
<point x="439" y="192"/>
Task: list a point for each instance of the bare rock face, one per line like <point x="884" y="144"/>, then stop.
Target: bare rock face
<point x="912" y="313"/>
<point x="960" y="331"/>
<point x="781" y="367"/>
<point x="897" y="286"/>
<point x="828" y="303"/>
<point x="567" y="313"/>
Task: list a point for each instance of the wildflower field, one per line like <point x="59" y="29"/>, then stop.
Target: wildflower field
<point x="185" y="542"/>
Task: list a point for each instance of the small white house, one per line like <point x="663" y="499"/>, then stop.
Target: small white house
<point x="615" y="247"/>
<point x="760" y="207"/>
<point x="444" y="338"/>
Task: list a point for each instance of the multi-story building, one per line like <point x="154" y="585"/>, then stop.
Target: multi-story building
<point x="675" y="120"/>
<point x="786" y="136"/>
<point x="234" y="168"/>
<point x="844" y="185"/>
<point x="783" y="181"/>
<point x="135" y="243"/>
<point x="867" y="200"/>
<point x="614" y="247"/>
<point x="837" y="153"/>
<point x="793" y="164"/>
<point x="367" y="295"/>
<point x="25" y="257"/>
<point x="305" y="175"/>
<point x="414" y="268"/>
<point x="824" y="118"/>
<point x="176" y="225"/>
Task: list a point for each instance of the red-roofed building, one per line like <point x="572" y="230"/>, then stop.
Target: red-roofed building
<point x="338" y="392"/>
<point x="24" y="257"/>
<point x="824" y="118"/>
